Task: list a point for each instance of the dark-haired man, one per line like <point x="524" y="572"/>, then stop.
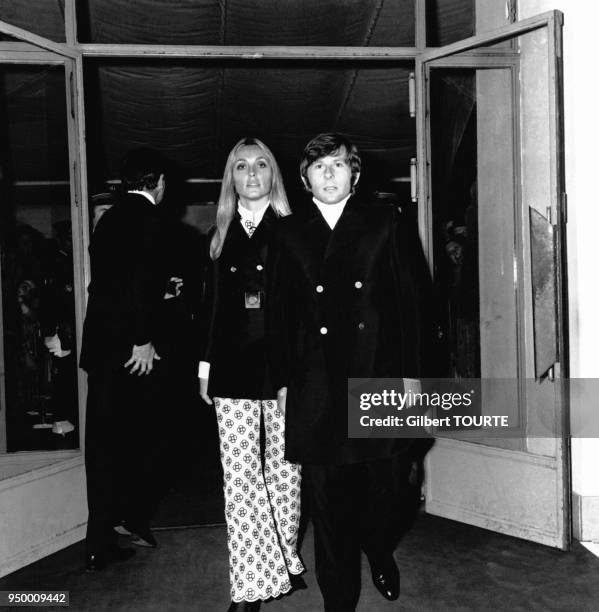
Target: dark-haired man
<point x="128" y="281"/>
<point x="345" y="302"/>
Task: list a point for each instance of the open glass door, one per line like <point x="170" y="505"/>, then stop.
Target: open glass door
<point x="490" y="208"/>
<point x="43" y="275"/>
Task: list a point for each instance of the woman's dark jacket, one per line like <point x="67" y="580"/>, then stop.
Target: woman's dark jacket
<point x="235" y="346"/>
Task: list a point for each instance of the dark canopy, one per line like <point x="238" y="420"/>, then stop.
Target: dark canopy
<point x="195" y="110"/>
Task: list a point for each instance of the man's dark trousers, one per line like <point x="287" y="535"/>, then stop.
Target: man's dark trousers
<point x="369" y="499"/>
<point x="122" y="449"/>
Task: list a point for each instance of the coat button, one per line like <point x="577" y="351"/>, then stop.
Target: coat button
<point x="361" y="325"/>
<point x="233" y="269"/>
<point x="323" y="330"/>
<point x="259" y="267"/>
<point x="319" y="288"/>
<point x="358" y="284"/>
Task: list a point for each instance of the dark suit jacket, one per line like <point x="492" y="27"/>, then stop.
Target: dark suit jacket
<point x="128" y="272"/>
<point x="343" y="303"/>
<point x="235" y="346"/>
<point x="180" y="317"/>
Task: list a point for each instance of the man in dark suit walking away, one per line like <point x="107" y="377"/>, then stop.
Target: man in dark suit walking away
<point x="126" y="293"/>
<point x="347" y="292"/>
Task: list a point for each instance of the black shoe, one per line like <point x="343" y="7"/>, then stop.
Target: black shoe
<point x="96" y="561"/>
<point x="385" y="576"/>
<point x="245" y="606"/>
<point x="140" y="534"/>
<point x="297" y="582"/>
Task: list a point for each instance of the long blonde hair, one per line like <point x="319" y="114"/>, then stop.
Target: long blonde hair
<point x="227" y="200"/>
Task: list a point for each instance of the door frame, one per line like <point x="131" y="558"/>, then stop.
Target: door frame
<point x="56" y="477"/>
<point x="46" y="467"/>
<point x="473" y="55"/>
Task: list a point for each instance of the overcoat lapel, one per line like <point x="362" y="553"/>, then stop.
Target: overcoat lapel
<point x="312" y="241"/>
<point x="348" y="229"/>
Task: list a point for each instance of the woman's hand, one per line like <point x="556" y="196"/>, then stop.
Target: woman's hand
<point x="204" y="391"/>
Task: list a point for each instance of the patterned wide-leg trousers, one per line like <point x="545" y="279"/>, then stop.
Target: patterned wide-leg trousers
<point x="262" y="499"/>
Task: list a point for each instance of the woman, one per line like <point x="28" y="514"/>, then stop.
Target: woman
<point x="262" y="504"/>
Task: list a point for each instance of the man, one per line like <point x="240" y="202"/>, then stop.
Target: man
<point x="345" y="302"/>
<point x="127" y="254"/>
<point x="100" y="203"/>
<point x="57" y="320"/>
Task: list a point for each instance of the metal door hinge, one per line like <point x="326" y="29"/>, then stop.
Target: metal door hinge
<point x="510" y="11"/>
<point x="412" y="93"/>
<point x="414" y="179"/>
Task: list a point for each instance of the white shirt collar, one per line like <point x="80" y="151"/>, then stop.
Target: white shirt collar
<point x="145" y="194"/>
<point x="331" y="212"/>
<point x="253" y="217"/>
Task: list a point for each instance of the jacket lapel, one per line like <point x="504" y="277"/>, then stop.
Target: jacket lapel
<point x="259" y="239"/>
<point x="262" y="233"/>
<point x="236" y="232"/>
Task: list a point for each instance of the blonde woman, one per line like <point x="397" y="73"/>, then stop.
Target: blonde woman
<point x="262" y="493"/>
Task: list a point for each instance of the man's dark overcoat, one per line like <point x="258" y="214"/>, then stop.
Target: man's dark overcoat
<point x="122" y="433"/>
<point x="128" y="272"/>
<point x="343" y="303"/>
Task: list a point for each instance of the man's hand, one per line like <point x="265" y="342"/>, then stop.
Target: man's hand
<point x="52" y="343"/>
<point x="173" y="288"/>
<point x="204" y="391"/>
<point x="282" y="399"/>
<point x="54" y="346"/>
<point x="142" y="359"/>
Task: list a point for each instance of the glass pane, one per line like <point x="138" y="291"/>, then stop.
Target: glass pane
<point x="238" y="22"/>
<point x="474" y="219"/>
<point x="284" y="103"/>
<point x="456" y="216"/>
<point x="474" y="231"/>
<point x="493" y="155"/>
<point x="448" y="21"/>
<point x="37" y="331"/>
<point x="42" y="17"/>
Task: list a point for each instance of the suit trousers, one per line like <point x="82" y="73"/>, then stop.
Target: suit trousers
<point x="262" y="499"/>
<point x="123" y="449"/>
<point x="354" y="507"/>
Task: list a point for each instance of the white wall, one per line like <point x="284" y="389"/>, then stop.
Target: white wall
<point x="582" y="143"/>
<point x="31" y="529"/>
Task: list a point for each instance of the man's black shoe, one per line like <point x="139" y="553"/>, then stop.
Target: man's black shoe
<point x="97" y="561"/>
<point x="385" y="576"/>
<point x="141" y="534"/>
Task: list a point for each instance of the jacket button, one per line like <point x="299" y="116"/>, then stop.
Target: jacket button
<point x="323" y="330"/>
<point x="233" y="269"/>
<point x="259" y="267"/>
<point x="319" y="288"/>
<point x="361" y="325"/>
<point x="358" y="284"/>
